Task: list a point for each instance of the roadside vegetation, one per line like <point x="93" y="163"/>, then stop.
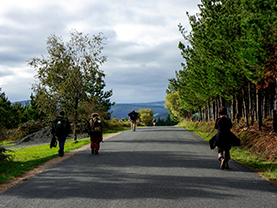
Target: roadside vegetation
<point x="27" y="158"/>
<point x="230" y="59"/>
<point x="257" y="150"/>
<point x="69" y="79"/>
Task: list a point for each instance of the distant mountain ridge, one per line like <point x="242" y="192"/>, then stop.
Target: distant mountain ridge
<point x="23" y="102"/>
<point x="121" y="110"/>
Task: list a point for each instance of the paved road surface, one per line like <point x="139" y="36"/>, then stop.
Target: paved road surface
<point x="151" y="167"/>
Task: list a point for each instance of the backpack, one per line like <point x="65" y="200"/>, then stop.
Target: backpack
<point x="96" y="125"/>
<point x="133" y="116"/>
<point x="60" y="126"/>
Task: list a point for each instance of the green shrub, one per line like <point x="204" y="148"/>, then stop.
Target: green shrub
<point x="5" y="155"/>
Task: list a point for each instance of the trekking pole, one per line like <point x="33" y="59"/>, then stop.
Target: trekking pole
<point x="210" y="133"/>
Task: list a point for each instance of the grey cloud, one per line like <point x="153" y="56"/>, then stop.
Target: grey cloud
<point x="51" y="16"/>
<point x="136" y="73"/>
<point x="4" y="73"/>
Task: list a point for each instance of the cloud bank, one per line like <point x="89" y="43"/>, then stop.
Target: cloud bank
<point x="141" y="46"/>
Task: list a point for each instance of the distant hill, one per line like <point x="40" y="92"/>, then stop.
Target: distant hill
<point x="121" y="110"/>
<point x="23" y="102"/>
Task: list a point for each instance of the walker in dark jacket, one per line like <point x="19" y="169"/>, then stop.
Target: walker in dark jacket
<point x="224" y="139"/>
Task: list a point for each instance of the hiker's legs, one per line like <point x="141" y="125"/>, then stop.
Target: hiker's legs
<point x="223" y="153"/>
<point x="133" y="125"/>
<point x="94" y="144"/>
<point x="97" y="146"/>
<point x="131" y="122"/>
<point x="61" y="145"/>
<point x="220" y="153"/>
<point x="224" y="159"/>
<point x="227" y="154"/>
<point x="92" y="141"/>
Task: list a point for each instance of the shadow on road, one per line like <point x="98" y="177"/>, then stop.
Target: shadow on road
<point x="129" y="175"/>
<point x="176" y="167"/>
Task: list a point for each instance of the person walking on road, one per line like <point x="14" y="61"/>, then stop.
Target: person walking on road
<point x="224" y="139"/>
<point x="95" y="132"/>
<point x="133" y="116"/>
<point x="61" y="128"/>
<point x="154" y="122"/>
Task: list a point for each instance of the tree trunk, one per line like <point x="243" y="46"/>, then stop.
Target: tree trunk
<point x="216" y="109"/>
<point x="208" y="110"/>
<point x="264" y="105"/>
<point x="255" y="106"/>
<point x="274" y="115"/>
<point x="233" y="108"/>
<point x="75" y="120"/>
<point x="214" y="113"/>
<point x="275" y="103"/>
<point x="238" y="109"/>
<point x="218" y="106"/>
<point x="251" y="110"/>
<point x="222" y="102"/>
<point x="259" y="115"/>
<point x="200" y="114"/>
<point x="205" y="113"/>
<point x="191" y="114"/>
<point x="272" y="97"/>
<point x="245" y="108"/>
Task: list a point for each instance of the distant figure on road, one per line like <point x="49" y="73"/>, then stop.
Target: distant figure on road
<point x="61" y="128"/>
<point x="154" y="122"/>
<point x="95" y="132"/>
<point x="224" y="139"/>
<point x="133" y="116"/>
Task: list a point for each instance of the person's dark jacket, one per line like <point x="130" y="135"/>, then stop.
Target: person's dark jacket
<point x="66" y="126"/>
<point x="224" y="137"/>
<point x="133" y="115"/>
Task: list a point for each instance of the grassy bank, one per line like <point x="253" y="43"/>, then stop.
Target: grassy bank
<point x="247" y="153"/>
<point x="29" y="157"/>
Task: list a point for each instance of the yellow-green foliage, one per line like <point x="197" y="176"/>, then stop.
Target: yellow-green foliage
<point x="114" y="125"/>
<point x="146" y="116"/>
<point x="203" y="129"/>
<point x="146" y="119"/>
<point x="146" y="111"/>
<point x="172" y="103"/>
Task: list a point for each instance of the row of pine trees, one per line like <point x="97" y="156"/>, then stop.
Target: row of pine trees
<point x="230" y="59"/>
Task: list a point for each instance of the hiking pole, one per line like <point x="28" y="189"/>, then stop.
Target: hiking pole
<point x="210" y="133"/>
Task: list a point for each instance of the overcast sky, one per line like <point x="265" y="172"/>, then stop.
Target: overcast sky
<point x="141" y="46"/>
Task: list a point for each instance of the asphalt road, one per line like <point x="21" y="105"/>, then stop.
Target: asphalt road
<point x="151" y="167"/>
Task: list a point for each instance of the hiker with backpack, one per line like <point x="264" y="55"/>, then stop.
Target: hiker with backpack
<point x="95" y="132"/>
<point x="133" y="116"/>
<point x="224" y="139"/>
<point x="61" y="129"/>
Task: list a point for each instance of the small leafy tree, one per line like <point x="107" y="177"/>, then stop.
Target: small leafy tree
<point x="70" y="77"/>
<point x="146" y="116"/>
